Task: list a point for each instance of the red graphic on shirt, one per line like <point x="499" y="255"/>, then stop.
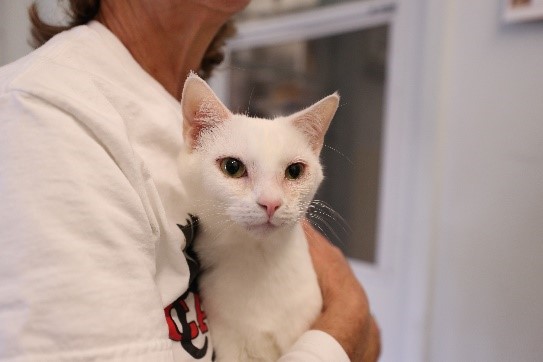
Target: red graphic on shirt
<point x="187" y="330"/>
<point x="200" y="314"/>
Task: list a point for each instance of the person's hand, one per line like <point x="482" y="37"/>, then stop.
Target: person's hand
<point x="345" y="314"/>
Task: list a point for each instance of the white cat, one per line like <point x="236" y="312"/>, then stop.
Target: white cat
<point x="250" y="182"/>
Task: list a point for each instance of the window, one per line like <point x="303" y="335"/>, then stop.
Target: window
<point x="283" y="65"/>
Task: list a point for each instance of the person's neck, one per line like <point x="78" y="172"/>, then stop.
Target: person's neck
<point x="167" y="42"/>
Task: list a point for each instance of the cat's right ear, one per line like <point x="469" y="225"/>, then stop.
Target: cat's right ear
<point x="201" y="108"/>
<point x="314" y="120"/>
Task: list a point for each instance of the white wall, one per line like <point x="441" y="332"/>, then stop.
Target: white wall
<point x="487" y="298"/>
<point x="15" y="26"/>
<point x="13" y="30"/>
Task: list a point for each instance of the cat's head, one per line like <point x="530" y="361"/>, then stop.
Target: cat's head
<point x="254" y="175"/>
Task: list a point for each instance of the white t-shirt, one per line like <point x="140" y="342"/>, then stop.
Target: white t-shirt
<point x="91" y="247"/>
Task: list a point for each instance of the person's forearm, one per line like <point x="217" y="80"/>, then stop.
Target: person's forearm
<point x="346" y="315"/>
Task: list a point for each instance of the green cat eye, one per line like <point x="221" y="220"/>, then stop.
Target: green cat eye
<point x="294" y="171"/>
<point x="233" y="167"/>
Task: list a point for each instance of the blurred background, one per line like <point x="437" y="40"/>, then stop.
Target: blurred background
<point x="434" y="162"/>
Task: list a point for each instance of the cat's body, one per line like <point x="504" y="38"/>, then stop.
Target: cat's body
<point x="259" y="299"/>
<point x="250" y="182"/>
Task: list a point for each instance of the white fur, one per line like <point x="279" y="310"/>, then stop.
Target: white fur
<point x="258" y="285"/>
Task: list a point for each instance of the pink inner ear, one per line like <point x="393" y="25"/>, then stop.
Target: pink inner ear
<point x="195" y="133"/>
<point x="312" y="131"/>
<point x="197" y="127"/>
<point x="314" y="120"/>
<point x="210" y="114"/>
<point x="201" y="108"/>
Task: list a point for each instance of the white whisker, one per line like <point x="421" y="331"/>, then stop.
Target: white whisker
<point x="339" y="153"/>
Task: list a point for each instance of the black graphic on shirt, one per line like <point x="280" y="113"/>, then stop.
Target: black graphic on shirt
<point x="187" y="331"/>
<point x="190" y="230"/>
<point x="184" y="330"/>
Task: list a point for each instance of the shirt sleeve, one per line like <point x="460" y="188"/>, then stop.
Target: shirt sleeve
<point x="315" y="346"/>
<point x="77" y="261"/>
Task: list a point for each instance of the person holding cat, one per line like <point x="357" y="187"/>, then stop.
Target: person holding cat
<point x="92" y="229"/>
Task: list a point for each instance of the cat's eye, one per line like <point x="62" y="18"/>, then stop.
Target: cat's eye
<point x="233" y="167"/>
<point x="294" y="171"/>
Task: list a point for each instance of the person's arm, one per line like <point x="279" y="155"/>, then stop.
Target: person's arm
<point x="77" y="249"/>
<point x="346" y="314"/>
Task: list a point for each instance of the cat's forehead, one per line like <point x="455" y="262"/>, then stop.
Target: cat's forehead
<point x="261" y="138"/>
<point x="273" y="135"/>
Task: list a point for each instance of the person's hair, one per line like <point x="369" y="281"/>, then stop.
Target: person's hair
<point x="80" y="12"/>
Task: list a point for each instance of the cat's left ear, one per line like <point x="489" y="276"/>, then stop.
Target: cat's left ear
<point x="314" y="120"/>
<point x="201" y="108"/>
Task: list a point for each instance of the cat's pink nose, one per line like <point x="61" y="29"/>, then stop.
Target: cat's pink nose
<point x="269" y="205"/>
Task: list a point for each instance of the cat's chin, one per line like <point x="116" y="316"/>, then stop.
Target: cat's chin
<point x="262" y="231"/>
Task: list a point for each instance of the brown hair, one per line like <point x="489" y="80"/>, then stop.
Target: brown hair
<point x="82" y="11"/>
